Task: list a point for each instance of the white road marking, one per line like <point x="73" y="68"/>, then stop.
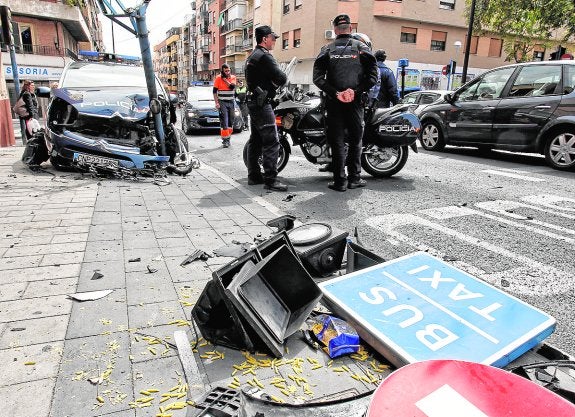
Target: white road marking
<point x="513" y="175"/>
<point x="552" y="201"/>
<point x="446" y="402"/>
<point x="525" y="281"/>
<point x="500" y="207"/>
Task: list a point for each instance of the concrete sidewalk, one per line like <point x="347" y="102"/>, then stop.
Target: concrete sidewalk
<point x="57" y="230"/>
<point x="116" y="355"/>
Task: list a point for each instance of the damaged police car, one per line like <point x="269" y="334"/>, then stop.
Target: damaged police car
<point x="100" y="118"/>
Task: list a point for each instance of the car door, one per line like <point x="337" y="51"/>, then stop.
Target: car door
<point x="527" y="105"/>
<point x="469" y="119"/>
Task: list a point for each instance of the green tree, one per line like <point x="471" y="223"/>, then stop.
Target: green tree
<point x="522" y="24"/>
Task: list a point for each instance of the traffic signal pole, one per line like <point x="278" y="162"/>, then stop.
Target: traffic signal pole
<point x="6" y="19"/>
<point x="468" y="43"/>
<point x="137" y="16"/>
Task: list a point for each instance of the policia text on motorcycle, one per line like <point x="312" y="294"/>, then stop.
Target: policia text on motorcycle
<point x="263" y="76"/>
<point x="345" y="70"/>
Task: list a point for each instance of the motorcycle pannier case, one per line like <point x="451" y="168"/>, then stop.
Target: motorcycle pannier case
<point x="395" y="129"/>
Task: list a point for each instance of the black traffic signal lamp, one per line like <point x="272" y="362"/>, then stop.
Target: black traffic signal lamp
<point x="558" y="53"/>
<point x="449" y="68"/>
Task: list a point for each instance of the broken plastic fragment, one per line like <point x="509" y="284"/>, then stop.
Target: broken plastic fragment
<point x="135" y="260"/>
<point x="151" y="270"/>
<point x="97" y="275"/>
<point x="90" y="296"/>
<point x="197" y="254"/>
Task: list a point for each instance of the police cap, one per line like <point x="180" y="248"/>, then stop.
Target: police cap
<point x="341" y="19"/>
<point x="263" y="31"/>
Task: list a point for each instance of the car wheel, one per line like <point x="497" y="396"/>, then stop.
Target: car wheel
<point x="185" y="126"/>
<point x="432" y="137"/>
<point x="560" y="150"/>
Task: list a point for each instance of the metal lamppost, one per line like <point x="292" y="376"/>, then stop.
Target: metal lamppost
<point x="468" y="43"/>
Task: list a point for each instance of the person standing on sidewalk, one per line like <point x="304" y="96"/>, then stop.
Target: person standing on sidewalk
<point x="224" y="96"/>
<point x="387" y="94"/>
<point x="241" y="94"/>
<point x="31" y="103"/>
<point x="345" y="70"/>
<point x="263" y="76"/>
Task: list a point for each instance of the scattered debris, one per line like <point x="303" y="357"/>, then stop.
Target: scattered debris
<point x="285" y="222"/>
<point x="462" y="205"/>
<point x="90" y="296"/>
<point x="289" y="197"/>
<point x="234" y="249"/>
<point x="151" y="270"/>
<point x="197" y="254"/>
<point x="97" y="275"/>
<point x="135" y="260"/>
<point x="17" y="329"/>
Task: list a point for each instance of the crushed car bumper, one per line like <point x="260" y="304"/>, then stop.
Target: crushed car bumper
<point x="71" y="147"/>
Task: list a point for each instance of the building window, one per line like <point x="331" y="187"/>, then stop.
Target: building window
<point x="447" y="4"/>
<point x="538" y="55"/>
<point x="495" y="47"/>
<point x="438" y="40"/>
<point x="286" y="6"/>
<point x="408" y="35"/>
<point x="296" y="38"/>
<point x="473" y="45"/>
<point x="285" y="40"/>
<point x="298" y="4"/>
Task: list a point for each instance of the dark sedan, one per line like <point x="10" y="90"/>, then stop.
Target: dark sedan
<point x="199" y="113"/>
<point x="527" y="107"/>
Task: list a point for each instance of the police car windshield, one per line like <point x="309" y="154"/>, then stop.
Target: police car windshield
<point x="91" y="75"/>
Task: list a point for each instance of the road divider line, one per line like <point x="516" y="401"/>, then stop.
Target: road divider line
<point x="512" y="175"/>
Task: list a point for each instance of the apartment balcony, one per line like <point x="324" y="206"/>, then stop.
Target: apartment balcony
<point x="236" y="24"/>
<point x="230" y="3"/>
<point x="47" y="50"/>
<point x="70" y="16"/>
<point x="247" y="44"/>
<point x="203" y="67"/>
<point x="232" y="49"/>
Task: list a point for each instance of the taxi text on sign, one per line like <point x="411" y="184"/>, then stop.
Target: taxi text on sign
<point x="418" y="307"/>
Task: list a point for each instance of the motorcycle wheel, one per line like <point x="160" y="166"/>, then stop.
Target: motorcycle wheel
<point x="183" y="161"/>
<point x="382" y="162"/>
<point x="283" y="154"/>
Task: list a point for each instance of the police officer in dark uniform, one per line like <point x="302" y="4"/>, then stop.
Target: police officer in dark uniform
<point x="263" y="77"/>
<point x="345" y="70"/>
<point x="387" y="95"/>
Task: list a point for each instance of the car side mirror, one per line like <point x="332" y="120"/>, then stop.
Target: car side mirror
<point x="43" y="92"/>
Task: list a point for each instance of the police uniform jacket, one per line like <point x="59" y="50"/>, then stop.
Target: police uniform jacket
<point x="345" y="63"/>
<point x="262" y="70"/>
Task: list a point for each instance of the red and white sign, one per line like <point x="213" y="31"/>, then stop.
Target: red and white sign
<point x="448" y="388"/>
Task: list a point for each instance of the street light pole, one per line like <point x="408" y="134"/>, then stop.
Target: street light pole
<point x="468" y="43"/>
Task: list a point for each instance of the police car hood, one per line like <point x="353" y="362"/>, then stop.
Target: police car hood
<point x="130" y="103"/>
<point x="203" y="104"/>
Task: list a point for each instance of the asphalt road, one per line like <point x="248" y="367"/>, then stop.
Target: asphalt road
<point x="506" y="218"/>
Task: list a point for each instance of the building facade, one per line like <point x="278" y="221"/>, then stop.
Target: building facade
<point x="429" y="33"/>
<point x="47" y="35"/>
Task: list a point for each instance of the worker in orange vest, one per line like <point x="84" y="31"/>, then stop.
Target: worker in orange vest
<point x="224" y="96"/>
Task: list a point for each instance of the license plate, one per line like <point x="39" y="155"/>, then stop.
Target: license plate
<point x="213" y="120"/>
<point x="82" y="158"/>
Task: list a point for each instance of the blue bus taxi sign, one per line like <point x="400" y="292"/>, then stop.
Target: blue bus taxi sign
<point x="418" y="307"/>
<point x="403" y="62"/>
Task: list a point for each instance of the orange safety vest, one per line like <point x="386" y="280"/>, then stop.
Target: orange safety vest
<point x="224" y="90"/>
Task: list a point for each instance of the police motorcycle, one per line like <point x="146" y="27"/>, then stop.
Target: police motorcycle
<point x="388" y="133"/>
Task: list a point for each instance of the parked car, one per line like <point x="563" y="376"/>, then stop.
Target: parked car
<point x="199" y="113"/>
<point x="100" y="116"/>
<point x="527" y="107"/>
<point x="416" y="102"/>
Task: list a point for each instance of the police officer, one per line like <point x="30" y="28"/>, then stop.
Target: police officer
<point x="387" y="95"/>
<point x="345" y="70"/>
<point x="263" y="77"/>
